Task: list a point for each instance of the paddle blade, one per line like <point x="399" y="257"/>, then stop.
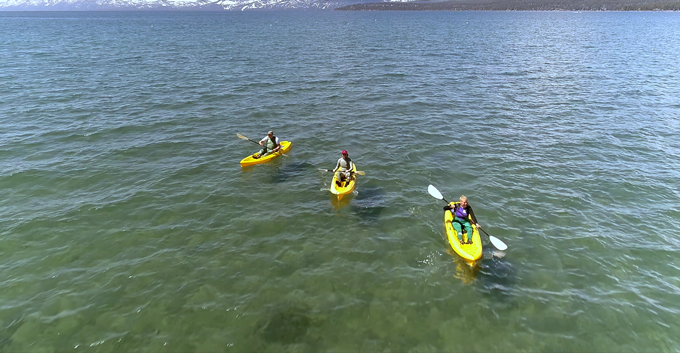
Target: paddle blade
<point x="497" y="243"/>
<point x="360" y="172"/>
<point x="434" y="192"/>
<point x="241" y="136"/>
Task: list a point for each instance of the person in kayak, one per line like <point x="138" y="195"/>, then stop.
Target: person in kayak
<point x="270" y="144"/>
<point x="343" y="168"/>
<point x="462" y="214"/>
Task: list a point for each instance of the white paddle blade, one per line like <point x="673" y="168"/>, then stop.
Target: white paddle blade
<point x="497" y="243"/>
<point x="434" y="192"/>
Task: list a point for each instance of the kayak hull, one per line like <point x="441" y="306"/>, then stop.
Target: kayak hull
<point x="347" y="187"/>
<point x="285" y="147"/>
<point x="469" y="252"/>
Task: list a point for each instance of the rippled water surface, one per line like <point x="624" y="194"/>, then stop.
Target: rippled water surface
<point x="127" y="223"/>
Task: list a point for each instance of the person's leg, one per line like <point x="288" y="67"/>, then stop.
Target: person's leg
<point x="459" y="230"/>
<point x="260" y="153"/>
<point x="468" y="229"/>
<point x="346" y="177"/>
<point x="338" y="178"/>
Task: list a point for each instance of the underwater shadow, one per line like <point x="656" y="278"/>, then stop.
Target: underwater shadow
<point x="291" y="170"/>
<point x="368" y="204"/>
<point x="288" y="324"/>
<point x="496" y="276"/>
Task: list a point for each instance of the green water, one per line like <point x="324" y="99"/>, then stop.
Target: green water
<point x="128" y="225"/>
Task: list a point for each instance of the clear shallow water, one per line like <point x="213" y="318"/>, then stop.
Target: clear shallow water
<point x="127" y="224"/>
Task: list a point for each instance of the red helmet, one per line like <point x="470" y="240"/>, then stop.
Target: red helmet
<point x="344" y="151"/>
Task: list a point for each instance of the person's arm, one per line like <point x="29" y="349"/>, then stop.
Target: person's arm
<point x="263" y="140"/>
<point x="472" y="216"/>
<point x="337" y="166"/>
<point x="278" y="145"/>
<point x="449" y="207"/>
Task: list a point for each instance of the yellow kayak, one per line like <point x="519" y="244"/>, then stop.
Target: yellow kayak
<point x="346" y="187"/>
<point x="469" y="252"/>
<point x="285" y="147"/>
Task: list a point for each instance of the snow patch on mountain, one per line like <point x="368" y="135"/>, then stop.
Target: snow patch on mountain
<point x="168" y="4"/>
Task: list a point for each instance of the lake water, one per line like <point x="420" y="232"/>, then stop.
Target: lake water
<point x="128" y="225"/>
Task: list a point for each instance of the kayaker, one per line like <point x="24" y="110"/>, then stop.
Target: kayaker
<point x="270" y="144"/>
<point x="462" y="214"/>
<point x="343" y="168"/>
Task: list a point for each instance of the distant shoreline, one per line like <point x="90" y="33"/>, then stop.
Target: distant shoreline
<point x="516" y="5"/>
<point x="451" y="5"/>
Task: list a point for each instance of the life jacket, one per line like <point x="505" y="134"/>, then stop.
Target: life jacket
<point x="271" y="143"/>
<point x="345" y="164"/>
<point x="460" y="212"/>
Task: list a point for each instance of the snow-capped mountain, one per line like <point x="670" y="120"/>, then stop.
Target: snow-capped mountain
<point x="169" y="4"/>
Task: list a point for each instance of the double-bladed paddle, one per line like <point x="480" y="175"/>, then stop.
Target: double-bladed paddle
<point x="497" y="243"/>
<point x="360" y="172"/>
<point x="245" y="138"/>
<point x="257" y="143"/>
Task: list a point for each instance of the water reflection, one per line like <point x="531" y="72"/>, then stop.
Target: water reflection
<point x="495" y="274"/>
<point x="338" y="204"/>
<point x="465" y="271"/>
<point x="274" y="163"/>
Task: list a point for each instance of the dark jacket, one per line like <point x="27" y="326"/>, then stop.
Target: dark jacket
<point x="468" y="209"/>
